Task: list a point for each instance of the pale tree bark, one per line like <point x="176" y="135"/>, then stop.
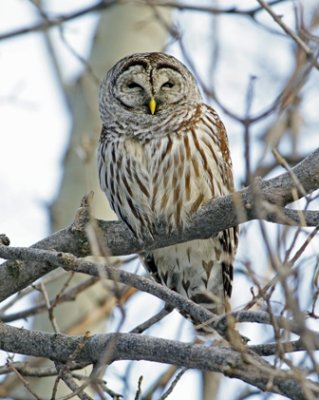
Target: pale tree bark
<point x="211" y="381"/>
<point x="122" y="30"/>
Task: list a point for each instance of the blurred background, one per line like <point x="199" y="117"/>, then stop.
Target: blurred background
<point x="53" y="55"/>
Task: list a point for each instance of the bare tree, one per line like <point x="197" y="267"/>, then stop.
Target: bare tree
<point x="276" y="280"/>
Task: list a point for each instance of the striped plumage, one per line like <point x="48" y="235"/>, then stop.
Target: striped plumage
<point x="163" y="166"/>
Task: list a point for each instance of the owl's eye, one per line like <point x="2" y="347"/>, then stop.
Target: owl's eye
<point x="168" y="84"/>
<point x="134" y="85"/>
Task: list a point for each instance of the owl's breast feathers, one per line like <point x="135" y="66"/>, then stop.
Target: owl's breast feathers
<point x="161" y="161"/>
<point x="168" y="178"/>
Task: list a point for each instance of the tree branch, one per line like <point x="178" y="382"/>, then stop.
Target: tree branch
<point x="57" y="20"/>
<point x="69" y="295"/>
<point x="147" y="285"/>
<point x="278" y="19"/>
<point x="220" y="323"/>
<point x="215" y="216"/>
<point x="246" y="366"/>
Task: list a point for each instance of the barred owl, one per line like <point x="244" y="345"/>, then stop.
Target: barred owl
<point x="162" y="154"/>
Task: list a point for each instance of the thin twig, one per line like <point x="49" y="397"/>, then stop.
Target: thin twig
<point x="72" y="385"/>
<point x="247" y="124"/>
<point x="290" y="32"/>
<point x="57" y="20"/>
<point x="28" y="370"/>
<point x="139" y="388"/>
<point x="151" y="321"/>
<point x="69" y="295"/>
<point x="49" y="308"/>
<point x="178" y="376"/>
<point x="24" y="382"/>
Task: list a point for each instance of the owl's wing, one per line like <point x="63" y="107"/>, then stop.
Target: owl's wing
<point x="151" y="267"/>
<point x="124" y="179"/>
<point x="222" y="142"/>
<point x="228" y="238"/>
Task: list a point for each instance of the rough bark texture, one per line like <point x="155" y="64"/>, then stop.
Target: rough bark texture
<point x="120" y="346"/>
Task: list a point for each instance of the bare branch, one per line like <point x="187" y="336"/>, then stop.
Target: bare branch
<point x="290" y="32"/>
<point x="221" y="324"/>
<point x="178" y="376"/>
<point x="69" y="295"/>
<point x="215" y="216"/>
<point x="151" y="321"/>
<point x="24" y="382"/>
<point x="270" y="349"/>
<point x="26" y="369"/>
<point x="70" y="382"/>
<point x="49" y="22"/>
<point x="248" y="367"/>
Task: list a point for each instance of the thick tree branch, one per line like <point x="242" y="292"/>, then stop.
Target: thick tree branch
<point x="261" y="200"/>
<point x="69" y="262"/>
<point x="221" y="323"/>
<point x="243" y="364"/>
<point x="246" y="366"/>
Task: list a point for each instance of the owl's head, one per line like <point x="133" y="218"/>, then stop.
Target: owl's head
<point x="148" y="83"/>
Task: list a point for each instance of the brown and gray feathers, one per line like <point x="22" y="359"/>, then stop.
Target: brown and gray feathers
<point x="162" y="154"/>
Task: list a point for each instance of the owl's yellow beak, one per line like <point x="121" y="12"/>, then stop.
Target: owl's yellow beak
<point x="152" y="105"/>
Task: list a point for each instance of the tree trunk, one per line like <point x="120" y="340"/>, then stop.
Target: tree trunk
<point x="122" y="30"/>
